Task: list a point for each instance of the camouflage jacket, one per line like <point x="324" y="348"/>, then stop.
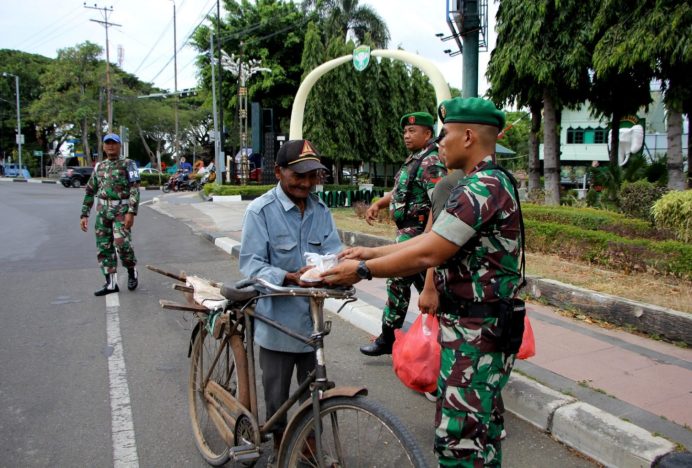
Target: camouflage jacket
<point x="481" y="217"/>
<point x="410" y="211"/>
<point x="113" y="180"/>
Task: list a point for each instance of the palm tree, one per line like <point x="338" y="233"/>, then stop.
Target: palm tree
<point x="341" y="17"/>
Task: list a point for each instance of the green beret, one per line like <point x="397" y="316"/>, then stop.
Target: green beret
<point x="471" y="110"/>
<point x="417" y="118"/>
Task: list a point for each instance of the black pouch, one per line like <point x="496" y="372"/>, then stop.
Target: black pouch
<point x="510" y="324"/>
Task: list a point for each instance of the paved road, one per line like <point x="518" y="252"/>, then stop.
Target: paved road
<point x="64" y="401"/>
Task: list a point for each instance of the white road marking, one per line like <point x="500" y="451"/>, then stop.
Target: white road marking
<point x="122" y="428"/>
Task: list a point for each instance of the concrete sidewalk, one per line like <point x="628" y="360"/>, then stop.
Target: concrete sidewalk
<point x="621" y="399"/>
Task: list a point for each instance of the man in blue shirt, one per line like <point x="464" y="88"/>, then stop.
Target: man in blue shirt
<point x="278" y="229"/>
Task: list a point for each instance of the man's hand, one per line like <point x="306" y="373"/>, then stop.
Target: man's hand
<point x="344" y="274"/>
<point x="84" y="223"/>
<point x="294" y="278"/>
<point x="372" y="213"/>
<point x="357" y="253"/>
<point x="129" y="221"/>
<point x="428" y="301"/>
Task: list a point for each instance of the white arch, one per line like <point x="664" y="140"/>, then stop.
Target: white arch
<point x="425" y="65"/>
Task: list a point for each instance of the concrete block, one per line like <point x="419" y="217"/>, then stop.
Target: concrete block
<point x="359" y="314"/>
<point x="606" y="438"/>
<point x="226" y="244"/>
<point x="532" y="401"/>
<point x="226" y="198"/>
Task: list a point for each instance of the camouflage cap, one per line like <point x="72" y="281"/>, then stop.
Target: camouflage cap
<point x="471" y="110"/>
<point x="417" y="118"/>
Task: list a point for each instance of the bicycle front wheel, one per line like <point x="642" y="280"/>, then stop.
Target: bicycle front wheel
<point x="355" y="432"/>
<point x="205" y="349"/>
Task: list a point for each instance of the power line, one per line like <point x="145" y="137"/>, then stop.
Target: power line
<point x="41" y="33"/>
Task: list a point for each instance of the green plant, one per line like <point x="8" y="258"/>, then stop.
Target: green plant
<point x="593" y="198"/>
<point x="154" y="179"/>
<point x="674" y="211"/>
<point x="637" y="198"/>
<point x="247" y="191"/>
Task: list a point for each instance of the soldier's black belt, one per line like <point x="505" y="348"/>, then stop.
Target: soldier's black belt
<point x="109" y="202"/>
<point x="419" y="221"/>
<point x="470" y="309"/>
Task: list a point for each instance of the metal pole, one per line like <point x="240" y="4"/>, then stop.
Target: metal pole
<point x="218" y="46"/>
<point x="218" y="161"/>
<point x="109" y="95"/>
<point x="175" y="79"/>
<point x="469" y="82"/>
<point x="19" y="126"/>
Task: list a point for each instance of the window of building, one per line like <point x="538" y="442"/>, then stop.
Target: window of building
<point x="575" y="136"/>
<point x="589" y="136"/>
<point x="599" y="136"/>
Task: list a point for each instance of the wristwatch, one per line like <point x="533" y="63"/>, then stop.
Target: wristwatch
<point x="363" y="271"/>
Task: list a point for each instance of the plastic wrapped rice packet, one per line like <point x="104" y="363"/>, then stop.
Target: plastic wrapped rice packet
<point x="320" y="263"/>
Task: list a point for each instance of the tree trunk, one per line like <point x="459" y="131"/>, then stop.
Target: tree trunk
<point x="152" y="155"/>
<point x="689" y="146"/>
<point x="615" y="139"/>
<point x="551" y="152"/>
<point x="85" y="142"/>
<point x="534" y="160"/>
<point x="676" y="176"/>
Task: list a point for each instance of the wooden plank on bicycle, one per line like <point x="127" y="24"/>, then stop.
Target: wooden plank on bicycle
<point x="180" y="277"/>
<point x="184" y="307"/>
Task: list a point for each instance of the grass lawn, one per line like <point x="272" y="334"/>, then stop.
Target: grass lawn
<point x="665" y="291"/>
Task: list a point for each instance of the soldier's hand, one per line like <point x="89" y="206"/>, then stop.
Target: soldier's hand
<point x="428" y="301"/>
<point x="356" y="253"/>
<point x="371" y="214"/>
<point x="343" y="274"/>
<point x="84" y="224"/>
<point x="129" y="220"/>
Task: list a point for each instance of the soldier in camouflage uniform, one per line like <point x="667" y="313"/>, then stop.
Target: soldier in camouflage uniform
<point x="476" y="245"/>
<point x="409" y="204"/>
<point x="114" y="184"/>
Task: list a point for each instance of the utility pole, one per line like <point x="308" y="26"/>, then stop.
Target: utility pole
<point x="176" y="144"/>
<point x="20" y="137"/>
<point x="218" y="47"/>
<point x="218" y="160"/>
<point x="109" y="92"/>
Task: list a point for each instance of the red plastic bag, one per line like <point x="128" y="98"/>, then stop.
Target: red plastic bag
<point x="528" y="343"/>
<point x="416" y="354"/>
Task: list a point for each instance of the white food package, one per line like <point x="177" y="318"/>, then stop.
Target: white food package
<point x="321" y="263"/>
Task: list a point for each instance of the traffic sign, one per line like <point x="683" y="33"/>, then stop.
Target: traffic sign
<point x="38" y="154"/>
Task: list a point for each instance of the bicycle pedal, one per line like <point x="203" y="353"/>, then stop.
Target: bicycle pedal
<point x="244" y="453"/>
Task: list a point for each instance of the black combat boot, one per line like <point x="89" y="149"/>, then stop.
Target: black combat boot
<point x="111" y="285"/>
<point x="132" y="278"/>
<point x="382" y="344"/>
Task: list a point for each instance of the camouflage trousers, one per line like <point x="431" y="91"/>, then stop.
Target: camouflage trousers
<point x="468" y="418"/>
<point x="112" y="237"/>
<point x="399" y="293"/>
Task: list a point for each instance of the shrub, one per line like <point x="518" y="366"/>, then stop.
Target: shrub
<point x="637" y="198"/>
<point x="246" y="191"/>
<point x="154" y="179"/>
<point x="609" y="249"/>
<point x="674" y="211"/>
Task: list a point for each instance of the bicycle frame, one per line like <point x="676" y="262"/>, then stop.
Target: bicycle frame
<point x="317" y="382"/>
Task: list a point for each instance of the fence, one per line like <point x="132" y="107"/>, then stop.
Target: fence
<point x="347" y="198"/>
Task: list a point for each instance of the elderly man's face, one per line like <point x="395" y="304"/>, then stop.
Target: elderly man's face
<point x="297" y="186"/>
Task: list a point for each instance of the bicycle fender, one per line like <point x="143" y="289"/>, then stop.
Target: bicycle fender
<point x="306" y="406"/>
<point x="195" y="331"/>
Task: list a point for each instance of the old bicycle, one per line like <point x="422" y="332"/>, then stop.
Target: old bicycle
<point x="334" y="427"/>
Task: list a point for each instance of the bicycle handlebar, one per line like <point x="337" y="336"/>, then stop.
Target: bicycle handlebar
<point x="296" y="290"/>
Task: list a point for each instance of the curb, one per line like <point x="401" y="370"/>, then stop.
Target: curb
<point x="647" y="318"/>
<point x="596" y="433"/>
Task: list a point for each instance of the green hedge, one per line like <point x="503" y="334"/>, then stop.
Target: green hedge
<point x="249" y="191"/>
<point x="674" y="211"/>
<point x="153" y="179"/>
<point x="609" y="249"/>
<point x="593" y="219"/>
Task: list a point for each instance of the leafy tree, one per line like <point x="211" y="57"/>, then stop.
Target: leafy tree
<point x="652" y="40"/>
<point x="542" y="54"/>
<point x="272" y="31"/>
<point x="28" y="67"/>
<point x="338" y="18"/>
<point x="70" y="92"/>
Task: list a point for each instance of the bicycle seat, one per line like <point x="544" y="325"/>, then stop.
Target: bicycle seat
<point x="234" y="294"/>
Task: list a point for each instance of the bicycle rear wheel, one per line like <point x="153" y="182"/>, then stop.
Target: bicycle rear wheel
<point x="207" y="437"/>
<point x="355" y="432"/>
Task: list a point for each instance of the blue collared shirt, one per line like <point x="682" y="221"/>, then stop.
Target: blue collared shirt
<point x="275" y="237"/>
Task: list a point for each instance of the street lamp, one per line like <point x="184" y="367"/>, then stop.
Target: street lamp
<point x="19" y="122"/>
